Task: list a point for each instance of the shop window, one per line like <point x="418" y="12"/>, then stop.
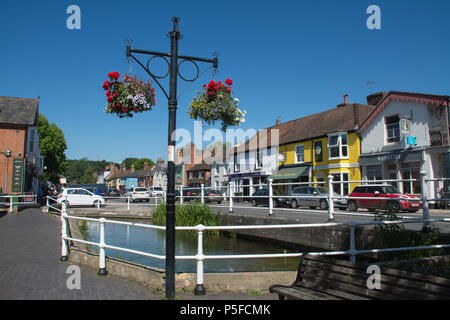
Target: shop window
<point x="374" y="173"/>
<point x="343" y="187"/>
<point x="392" y="128"/>
<point x="411" y="172"/>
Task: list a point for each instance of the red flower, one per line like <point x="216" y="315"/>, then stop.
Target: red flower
<point x="114" y="75"/>
<point x="229" y="89"/>
<point x="106" y="85"/>
<point x="109" y="99"/>
<point x="108" y="93"/>
<point x="229" y="82"/>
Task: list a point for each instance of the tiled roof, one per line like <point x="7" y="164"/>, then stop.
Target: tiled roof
<point x="18" y="111"/>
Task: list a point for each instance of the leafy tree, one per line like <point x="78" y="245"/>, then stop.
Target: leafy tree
<point x="128" y="162"/>
<point x="53" y="146"/>
<point x="139" y="164"/>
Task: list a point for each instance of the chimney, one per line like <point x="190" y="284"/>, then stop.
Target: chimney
<point x="159" y="162"/>
<point x="122" y="166"/>
<point x="145" y="166"/>
<point x="345" y="98"/>
<point x="132" y="168"/>
<point x="278" y="121"/>
<point x="375" y="98"/>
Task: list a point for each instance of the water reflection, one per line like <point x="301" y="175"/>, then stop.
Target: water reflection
<point x="153" y="241"/>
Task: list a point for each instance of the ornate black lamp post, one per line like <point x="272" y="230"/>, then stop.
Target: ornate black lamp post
<point x="172" y="98"/>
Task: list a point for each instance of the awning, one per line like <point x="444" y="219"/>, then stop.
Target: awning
<point x="288" y="173"/>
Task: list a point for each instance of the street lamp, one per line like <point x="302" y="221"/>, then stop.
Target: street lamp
<point x="172" y="103"/>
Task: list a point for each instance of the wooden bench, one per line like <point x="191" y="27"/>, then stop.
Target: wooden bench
<point x="323" y="278"/>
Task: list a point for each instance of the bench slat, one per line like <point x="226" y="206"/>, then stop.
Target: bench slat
<point x="300" y="293"/>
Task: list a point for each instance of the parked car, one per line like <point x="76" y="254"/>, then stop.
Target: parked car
<point x="389" y="199"/>
<point x="138" y="193"/>
<point x="191" y="193"/>
<point x="212" y="196"/>
<point x="113" y="193"/>
<point x="79" y="196"/>
<point x="261" y="197"/>
<point x="314" y="197"/>
<point x="156" y="192"/>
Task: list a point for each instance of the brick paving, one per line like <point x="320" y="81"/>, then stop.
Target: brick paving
<point x="30" y="266"/>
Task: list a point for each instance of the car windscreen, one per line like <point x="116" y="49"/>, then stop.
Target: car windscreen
<point x="322" y="190"/>
<point x="140" y="189"/>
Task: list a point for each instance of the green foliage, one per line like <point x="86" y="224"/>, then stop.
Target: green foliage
<point x="53" y="146"/>
<point x="397" y="236"/>
<point x="139" y="164"/>
<point x="191" y="214"/>
<point x="128" y="162"/>
<point x="84" y="229"/>
<point x="82" y="171"/>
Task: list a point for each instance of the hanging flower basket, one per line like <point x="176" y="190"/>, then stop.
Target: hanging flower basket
<point x="215" y="103"/>
<point x="128" y="97"/>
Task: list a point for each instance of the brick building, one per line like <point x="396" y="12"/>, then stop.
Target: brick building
<point x="21" y="163"/>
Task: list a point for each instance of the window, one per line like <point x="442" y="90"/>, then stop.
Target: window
<point x="392" y="128"/>
<point x="338" y="146"/>
<point x="411" y="171"/>
<point x="374" y="173"/>
<point x="32" y="137"/>
<point x="299" y="153"/>
<point x="259" y="159"/>
<point x="343" y="187"/>
<point x="236" y="163"/>
<point x="191" y="175"/>
<point x="200" y="174"/>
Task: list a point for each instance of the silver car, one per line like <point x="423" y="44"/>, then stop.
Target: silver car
<point x="314" y="197"/>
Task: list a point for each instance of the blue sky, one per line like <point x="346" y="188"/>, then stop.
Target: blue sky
<point x="286" y="58"/>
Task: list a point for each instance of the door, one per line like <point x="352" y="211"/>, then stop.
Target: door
<point x="374" y="192"/>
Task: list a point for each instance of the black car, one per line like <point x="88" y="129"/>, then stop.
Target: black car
<point x="261" y="197"/>
<point x="191" y="194"/>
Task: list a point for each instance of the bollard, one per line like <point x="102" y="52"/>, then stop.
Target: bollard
<point x="102" y="258"/>
<point x="352" y="247"/>
<point x="64" y="244"/>
<point x="270" y="197"/>
<point x="425" y="206"/>
<point x="199" y="289"/>
<point x="202" y="193"/>
<point x="330" y="199"/>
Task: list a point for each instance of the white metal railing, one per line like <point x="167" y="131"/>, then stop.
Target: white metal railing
<point x="331" y="198"/>
<point x="352" y="252"/>
<point x="24" y="197"/>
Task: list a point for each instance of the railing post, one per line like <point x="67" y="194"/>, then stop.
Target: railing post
<point x="352" y="246"/>
<point x="270" y="197"/>
<point x="10" y="204"/>
<point x="48" y="205"/>
<point x="230" y="195"/>
<point x="181" y="194"/>
<point x="199" y="289"/>
<point x="425" y="206"/>
<point x="102" y="258"/>
<point x="128" y="203"/>
<point x="64" y="243"/>
<point x="202" y="193"/>
<point x="330" y="199"/>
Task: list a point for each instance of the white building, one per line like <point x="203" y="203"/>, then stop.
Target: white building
<point x="405" y="134"/>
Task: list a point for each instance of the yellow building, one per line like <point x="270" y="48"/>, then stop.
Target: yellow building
<point x="322" y="144"/>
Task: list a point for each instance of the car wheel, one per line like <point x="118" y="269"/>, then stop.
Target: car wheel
<point x="276" y="203"/>
<point x="393" y="206"/>
<point x="353" y="206"/>
<point x="219" y="202"/>
<point x="323" y="204"/>
<point x="294" y="204"/>
<point x="96" y="203"/>
<point x="254" y="203"/>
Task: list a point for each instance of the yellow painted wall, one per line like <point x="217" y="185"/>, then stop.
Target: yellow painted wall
<point x="309" y="157"/>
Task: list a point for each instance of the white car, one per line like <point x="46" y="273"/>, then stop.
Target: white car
<point x="79" y="196"/>
<point x="156" y="192"/>
<point x="138" y="193"/>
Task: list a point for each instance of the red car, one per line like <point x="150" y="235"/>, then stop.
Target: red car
<point x="389" y="199"/>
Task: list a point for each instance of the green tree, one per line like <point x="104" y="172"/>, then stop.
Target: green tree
<point x="139" y="164"/>
<point x="128" y="162"/>
<point x="53" y="146"/>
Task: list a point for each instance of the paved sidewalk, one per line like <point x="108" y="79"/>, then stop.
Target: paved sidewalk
<point x="30" y="269"/>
